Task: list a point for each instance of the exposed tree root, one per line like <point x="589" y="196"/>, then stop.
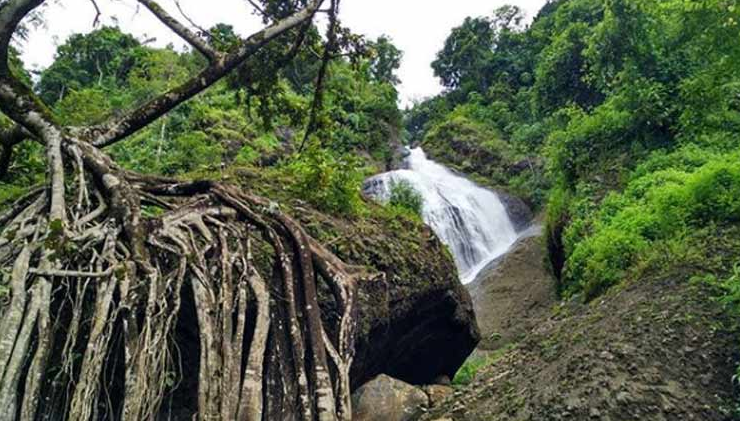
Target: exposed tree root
<point x="118" y="280"/>
<point x="201" y="240"/>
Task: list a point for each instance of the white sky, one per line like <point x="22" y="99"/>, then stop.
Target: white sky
<point x="417" y="27"/>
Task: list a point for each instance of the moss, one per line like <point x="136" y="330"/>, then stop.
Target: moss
<point x="476" y="363"/>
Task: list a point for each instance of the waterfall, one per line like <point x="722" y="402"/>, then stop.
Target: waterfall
<point x="469" y="219"/>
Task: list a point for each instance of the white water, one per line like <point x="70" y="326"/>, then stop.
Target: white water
<point x="469" y="219"/>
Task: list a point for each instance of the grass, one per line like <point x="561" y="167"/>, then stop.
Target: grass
<point x="474" y="364"/>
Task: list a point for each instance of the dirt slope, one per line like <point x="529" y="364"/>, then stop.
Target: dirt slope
<point x="653" y="350"/>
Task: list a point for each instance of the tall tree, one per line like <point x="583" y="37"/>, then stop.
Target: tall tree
<point x="386" y="59"/>
<point x="97" y="285"/>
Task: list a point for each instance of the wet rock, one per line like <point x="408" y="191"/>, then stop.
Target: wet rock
<point x="387" y="399"/>
<point x="519" y="213"/>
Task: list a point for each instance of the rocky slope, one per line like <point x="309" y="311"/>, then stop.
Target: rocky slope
<point x="657" y="349"/>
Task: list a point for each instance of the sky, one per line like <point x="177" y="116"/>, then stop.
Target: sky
<point x="417" y="27"/>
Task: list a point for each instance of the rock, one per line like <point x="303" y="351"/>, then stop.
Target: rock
<point x="513" y="293"/>
<point x="624" y="398"/>
<point x="526" y="164"/>
<point x="438" y="393"/>
<point x="387" y="399"/>
<point x="606" y="355"/>
<point x="519" y="213"/>
<point x="414" y="332"/>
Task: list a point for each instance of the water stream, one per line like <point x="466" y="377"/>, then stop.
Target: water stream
<point x="469" y="219"/>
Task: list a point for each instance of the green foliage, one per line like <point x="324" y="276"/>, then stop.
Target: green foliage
<point x="633" y="106"/>
<point x="86" y="106"/>
<point x="469" y="369"/>
<point x="256" y="149"/>
<point x="405" y="198"/>
<point x="253" y="118"/>
<point x="329" y="181"/>
<point x="101" y="58"/>
<point x="561" y="70"/>
<point x="661" y="206"/>
<point x="386" y="59"/>
<point x="469" y="146"/>
<point x="466" y="374"/>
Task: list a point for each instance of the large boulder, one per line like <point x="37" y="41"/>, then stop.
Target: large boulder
<point x="416" y="324"/>
<point x="387" y="399"/>
<point x="419" y="325"/>
<point x="514" y="292"/>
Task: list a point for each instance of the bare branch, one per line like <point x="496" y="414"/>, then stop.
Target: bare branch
<point x="117" y="129"/>
<point x="181" y="30"/>
<point x="192" y="22"/>
<point x="258" y="8"/>
<point x="97" y="13"/>
<point x="318" y="96"/>
<point x="11" y="14"/>
<point x="17" y="100"/>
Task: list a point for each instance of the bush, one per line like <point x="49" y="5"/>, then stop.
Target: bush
<point x="405" y="198"/>
<point x="655" y="208"/>
<point x="331" y="183"/>
<point x="475" y="363"/>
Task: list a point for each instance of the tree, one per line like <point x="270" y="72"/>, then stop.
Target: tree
<point x="100" y="58"/>
<point x="483" y="50"/>
<point x="465" y="52"/>
<point x="386" y="59"/>
<point x="102" y="261"/>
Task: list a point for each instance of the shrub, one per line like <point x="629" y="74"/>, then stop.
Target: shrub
<point x="655" y="208"/>
<point x="331" y="183"/>
<point x="405" y="198"/>
<point x="475" y="363"/>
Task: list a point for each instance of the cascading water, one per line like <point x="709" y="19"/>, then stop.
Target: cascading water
<point x="471" y="220"/>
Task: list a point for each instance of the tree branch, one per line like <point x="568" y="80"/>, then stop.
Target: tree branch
<point x="117" y="129"/>
<point x="182" y="31"/>
<point x="318" y="96"/>
<point x="17" y="100"/>
<point x="96" y="21"/>
<point x="19" y="103"/>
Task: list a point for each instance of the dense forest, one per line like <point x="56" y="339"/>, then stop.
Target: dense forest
<point x="616" y="121"/>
